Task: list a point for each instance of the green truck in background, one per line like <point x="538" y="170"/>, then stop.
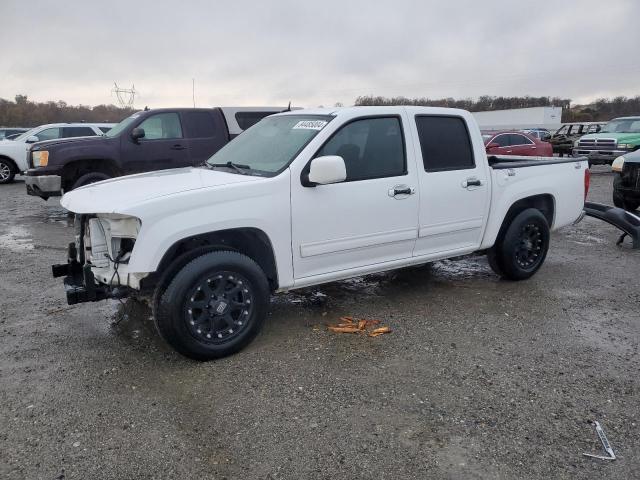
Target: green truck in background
<point x="617" y="137"/>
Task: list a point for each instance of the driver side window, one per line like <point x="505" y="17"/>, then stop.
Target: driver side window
<point x="48" y="134"/>
<point x="162" y="126"/>
<point x="370" y="148"/>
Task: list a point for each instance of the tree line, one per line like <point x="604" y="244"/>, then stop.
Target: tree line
<point x="601" y="110"/>
<point x="22" y="112"/>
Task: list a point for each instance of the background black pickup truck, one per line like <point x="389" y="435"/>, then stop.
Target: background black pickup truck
<point x="148" y="140"/>
<point x="626" y="182"/>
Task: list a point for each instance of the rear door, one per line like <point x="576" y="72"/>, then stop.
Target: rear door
<point x="206" y="133"/>
<point x="163" y="145"/>
<point x="454" y="186"/>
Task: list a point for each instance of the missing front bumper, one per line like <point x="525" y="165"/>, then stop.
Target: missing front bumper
<point x="80" y="283"/>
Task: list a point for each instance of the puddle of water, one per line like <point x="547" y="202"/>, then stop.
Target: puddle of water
<point x="466" y="267"/>
<point x="17" y="239"/>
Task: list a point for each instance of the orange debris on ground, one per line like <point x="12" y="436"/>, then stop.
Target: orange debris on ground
<point x="349" y="325"/>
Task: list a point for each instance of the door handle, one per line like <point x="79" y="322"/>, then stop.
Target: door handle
<point x="472" y="182"/>
<point x="509" y="151"/>
<point x="178" y="147"/>
<point x="401" y="190"/>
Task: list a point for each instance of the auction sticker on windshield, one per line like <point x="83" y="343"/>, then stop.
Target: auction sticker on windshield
<point x="310" y="125"/>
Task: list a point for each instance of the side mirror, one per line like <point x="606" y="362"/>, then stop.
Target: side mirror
<point x="327" y="169"/>
<point x="32" y="139"/>
<point x="137" y="133"/>
<point x="491" y="146"/>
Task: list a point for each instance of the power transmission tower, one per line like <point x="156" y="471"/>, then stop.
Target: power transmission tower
<point x="125" y="96"/>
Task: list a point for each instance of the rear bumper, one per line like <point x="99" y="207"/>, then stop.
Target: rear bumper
<point x="80" y="284"/>
<point x="44" y="186"/>
<point x="598" y="156"/>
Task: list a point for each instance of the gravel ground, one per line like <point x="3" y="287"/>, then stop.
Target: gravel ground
<point x="480" y="379"/>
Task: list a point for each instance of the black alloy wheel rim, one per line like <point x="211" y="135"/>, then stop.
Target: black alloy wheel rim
<point x="5" y="171"/>
<point x="218" y="308"/>
<point x="529" y="250"/>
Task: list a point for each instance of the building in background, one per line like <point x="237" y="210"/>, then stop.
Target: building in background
<point x="517" y="118"/>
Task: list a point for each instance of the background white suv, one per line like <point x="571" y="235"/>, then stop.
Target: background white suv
<point x="13" y="153"/>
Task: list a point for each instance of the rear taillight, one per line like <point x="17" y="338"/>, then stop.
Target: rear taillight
<point x="587" y="182"/>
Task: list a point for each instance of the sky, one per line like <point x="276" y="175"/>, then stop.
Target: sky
<point x="250" y="52"/>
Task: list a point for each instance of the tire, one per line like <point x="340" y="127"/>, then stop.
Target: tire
<point x="631" y="205"/>
<point x="88" y="178"/>
<point x="214" y="306"/>
<point x="521" y="251"/>
<point x="618" y="199"/>
<point x="7" y="171"/>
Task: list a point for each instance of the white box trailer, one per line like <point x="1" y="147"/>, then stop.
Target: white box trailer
<point x="518" y="118"/>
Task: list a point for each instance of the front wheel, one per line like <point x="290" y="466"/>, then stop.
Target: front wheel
<point x="521" y="251"/>
<point x="7" y="171"/>
<point x="214" y="306"/>
<point x="89" y="178"/>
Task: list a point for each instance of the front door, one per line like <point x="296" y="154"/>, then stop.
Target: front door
<point x="521" y="145"/>
<point x="163" y="145"/>
<point x="370" y="218"/>
<point x="454" y="187"/>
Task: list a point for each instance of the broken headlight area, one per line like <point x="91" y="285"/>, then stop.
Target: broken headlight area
<point x="109" y="239"/>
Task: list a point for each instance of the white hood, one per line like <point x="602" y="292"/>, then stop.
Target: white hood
<point x="115" y="195"/>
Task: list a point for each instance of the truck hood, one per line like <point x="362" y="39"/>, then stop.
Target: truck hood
<point x="620" y="137"/>
<point x="123" y="193"/>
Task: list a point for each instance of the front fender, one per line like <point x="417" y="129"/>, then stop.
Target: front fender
<point x="263" y="205"/>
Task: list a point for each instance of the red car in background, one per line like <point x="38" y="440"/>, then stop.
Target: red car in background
<point x="515" y="143"/>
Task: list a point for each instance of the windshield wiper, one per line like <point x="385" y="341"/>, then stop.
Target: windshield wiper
<point x="239" y="168"/>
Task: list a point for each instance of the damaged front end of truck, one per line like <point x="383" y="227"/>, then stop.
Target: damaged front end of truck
<point x="97" y="261"/>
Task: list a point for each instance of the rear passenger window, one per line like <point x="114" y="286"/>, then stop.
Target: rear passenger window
<point x="249" y="119"/>
<point x="199" y="125"/>
<point x="445" y="143"/>
<point x="371" y="148"/>
<point x="104" y="129"/>
<point x="69" y="132"/>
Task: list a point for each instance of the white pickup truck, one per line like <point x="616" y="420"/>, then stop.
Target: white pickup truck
<point x="308" y="197"/>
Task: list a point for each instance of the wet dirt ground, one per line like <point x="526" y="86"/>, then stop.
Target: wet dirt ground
<point x="480" y="379"/>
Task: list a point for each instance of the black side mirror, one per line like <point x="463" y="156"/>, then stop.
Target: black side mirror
<point x="137" y="133"/>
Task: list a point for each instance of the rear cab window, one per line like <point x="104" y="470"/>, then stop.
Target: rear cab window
<point x="445" y="143"/>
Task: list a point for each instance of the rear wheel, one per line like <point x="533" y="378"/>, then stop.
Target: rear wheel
<point x="7" y="171"/>
<point x="214" y="306"/>
<point x="521" y="251"/>
<point x="88" y="178"/>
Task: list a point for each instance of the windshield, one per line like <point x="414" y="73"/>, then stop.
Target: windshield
<point x="271" y="144"/>
<point x="116" y="130"/>
<point x="625" y="125"/>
